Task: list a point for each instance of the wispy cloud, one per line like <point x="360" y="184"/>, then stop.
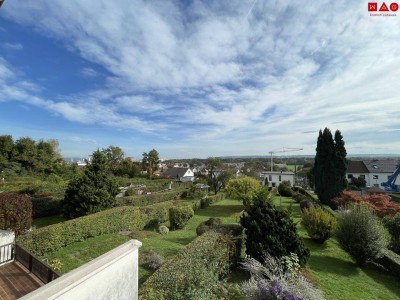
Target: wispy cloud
<point x="249" y="74"/>
<point x="11" y="46"/>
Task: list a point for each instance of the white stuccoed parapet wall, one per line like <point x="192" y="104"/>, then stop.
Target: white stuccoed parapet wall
<point x="114" y="275"/>
<point x="6" y="237"/>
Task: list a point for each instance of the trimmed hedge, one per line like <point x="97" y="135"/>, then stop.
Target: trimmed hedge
<point x="194" y="273"/>
<point x="45" y="206"/>
<point x="15" y="212"/>
<point x="144" y="200"/>
<point x="179" y="216"/>
<point x="390" y="261"/>
<point x="46" y="240"/>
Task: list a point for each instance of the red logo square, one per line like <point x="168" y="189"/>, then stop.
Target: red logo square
<point x="372" y="6"/>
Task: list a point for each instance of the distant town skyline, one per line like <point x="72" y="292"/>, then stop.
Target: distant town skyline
<point x="199" y="78"/>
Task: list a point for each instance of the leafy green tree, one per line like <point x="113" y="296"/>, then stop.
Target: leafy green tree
<point x="48" y="156"/>
<point x="244" y="188"/>
<point x="25" y="153"/>
<point x="127" y="168"/>
<point x="217" y="177"/>
<point x="94" y="191"/>
<point x="272" y="231"/>
<point x="151" y="160"/>
<point x="330" y="167"/>
<point x="115" y="155"/>
<point x="6" y="148"/>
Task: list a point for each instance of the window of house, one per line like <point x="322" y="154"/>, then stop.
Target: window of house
<point x="349" y="176"/>
<point x="375" y="176"/>
<point x="362" y="176"/>
<point x="270" y="177"/>
<point x="280" y="178"/>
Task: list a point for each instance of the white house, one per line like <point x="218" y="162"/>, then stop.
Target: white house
<point x="373" y="171"/>
<point x="180" y="174"/>
<point x="274" y="178"/>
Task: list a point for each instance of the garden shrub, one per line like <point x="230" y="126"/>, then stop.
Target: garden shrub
<point x="284" y="189"/>
<point x="361" y="234"/>
<point x="44" y="206"/>
<point x="271" y="279"/>
<point x="15" y="212"/>
<point x="393" y="226"/>
<point x="179" y="216"/>
<point x="381" y="204"/>
<point x="151" y="260"/>
<point x="164" y="230"/>
<point x="320" y="225"/>
<point x="391" y="261"/>
<point x="272" y="231"/>
<point x="194" y="273"/>
<point x="299" y="197"/>
<point x="304" y="204"/>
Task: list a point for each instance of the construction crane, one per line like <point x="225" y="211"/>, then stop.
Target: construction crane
<point x="281" y="151"/>
<point x="390" y="185"/>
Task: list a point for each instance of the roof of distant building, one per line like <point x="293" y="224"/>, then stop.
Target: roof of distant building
<point x="175" y="172"/>
<point x="356" y="166"/>
<point x="380" y="166"/>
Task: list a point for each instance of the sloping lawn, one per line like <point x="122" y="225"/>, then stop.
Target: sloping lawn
<point x="77" y="254"/>
<point x="336" y="273"/>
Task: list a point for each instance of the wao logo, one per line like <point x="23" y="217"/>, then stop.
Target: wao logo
<point x="373" y="6"/>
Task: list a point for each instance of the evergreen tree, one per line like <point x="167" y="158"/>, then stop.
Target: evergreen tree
<point x="340" y="163"/>
<point x="330" y="167"/>
<point x="94" y="191"/>
<point x="269" y="230"/>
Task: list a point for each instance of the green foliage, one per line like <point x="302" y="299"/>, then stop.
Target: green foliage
<point x="285" y="189"/>
<point x="179" y="216"/>
<point x="151" y="160"/>
<point x="92" y="192"/>
<point x="304" y="204"/>
<point x="243" y="188"/>
<point x="393" y="226"/>
<point x="144" y="200"/>
<point x="391" y="261"/>
<point x="320" y="225"/>
<point x="330" y="167"/>
<point x="151" y="260"/>
<point x="361" y="234"/>
<point x="269" y="230"/>
<point x="194" y="273"/>
<point x="205" y="226"/>
<point x="164" y="230"/>
<point x="45" y="206"/>
<point x="15" y="212"/>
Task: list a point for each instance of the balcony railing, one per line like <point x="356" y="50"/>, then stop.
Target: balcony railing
<point x="6" y="253"/>
<point x="35" y="265"/>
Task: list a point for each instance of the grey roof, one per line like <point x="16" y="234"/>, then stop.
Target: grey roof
<point x="380" y="166"/>
<point x="356" y="166"/>
<point x="175" y="172"/>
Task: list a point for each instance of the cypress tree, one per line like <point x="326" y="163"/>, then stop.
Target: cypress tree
<point x="330" y="166"/>
<point x="340" y="163"/>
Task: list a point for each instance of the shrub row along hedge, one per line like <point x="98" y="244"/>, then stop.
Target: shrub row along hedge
<point x="144" y="200"/>
<point x="391" y="261"/>
<point x="48" y="239"/>
<point x="44" y="206"/>
<point x="194" y="273"/>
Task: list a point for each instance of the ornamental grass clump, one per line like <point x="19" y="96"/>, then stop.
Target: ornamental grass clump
<point x="361" y="234"/>
<point x="320" y="224"/>
<point x="272" y="280"/>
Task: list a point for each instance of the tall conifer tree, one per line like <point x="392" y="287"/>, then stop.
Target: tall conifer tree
<point x="330" y="166"/>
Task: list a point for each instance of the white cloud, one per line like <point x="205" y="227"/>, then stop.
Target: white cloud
<point x="11" y="46"/>
<point x="253" y="71"/>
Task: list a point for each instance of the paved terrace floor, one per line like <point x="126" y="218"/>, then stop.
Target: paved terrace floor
<point x="16" y="281"/>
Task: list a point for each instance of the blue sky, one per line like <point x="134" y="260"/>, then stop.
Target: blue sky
<point x="199" y="78"/>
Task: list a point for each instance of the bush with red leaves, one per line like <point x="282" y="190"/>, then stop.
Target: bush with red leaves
<point x="381" y="204"/>
<point x="15" y="212"/>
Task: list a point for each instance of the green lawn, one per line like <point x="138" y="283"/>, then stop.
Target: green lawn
<point x="336" y="273"/>
<point x="46" y="221"/>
